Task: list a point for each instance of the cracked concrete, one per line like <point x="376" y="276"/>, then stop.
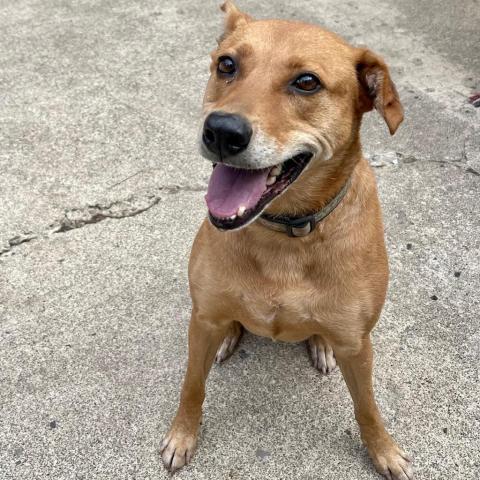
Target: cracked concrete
<point x="383" y="159"/>
<point x="79" y="217"/>
<point x="74" y="218"/>
<point x="98" y="123"/>
<point x="16" y="241"/>
<point x="130" y="207"/>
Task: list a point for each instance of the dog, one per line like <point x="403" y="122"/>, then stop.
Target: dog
<point x="293" y="247"/>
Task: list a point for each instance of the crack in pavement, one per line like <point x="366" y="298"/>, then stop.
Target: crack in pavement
<point x="79" y="217"/>
<point x="385" y="159"/>
<point x="18" y="240"/>
<point x="75" y="218"/>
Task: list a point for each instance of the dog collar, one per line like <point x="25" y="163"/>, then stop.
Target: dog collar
<point x="302" y="226"/>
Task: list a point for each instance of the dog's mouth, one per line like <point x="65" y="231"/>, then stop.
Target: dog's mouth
<point x="236" y="196"/>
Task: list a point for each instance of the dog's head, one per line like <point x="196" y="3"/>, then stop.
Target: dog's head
<point x="283" y="97"/>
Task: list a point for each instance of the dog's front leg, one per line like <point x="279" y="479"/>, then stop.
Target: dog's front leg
<point x="204" y="338"/>
<point x="389" y="459"/>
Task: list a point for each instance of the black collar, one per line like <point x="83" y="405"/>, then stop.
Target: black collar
<point x="302" y="226"/>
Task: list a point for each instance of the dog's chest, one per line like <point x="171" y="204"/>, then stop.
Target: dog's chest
<point x="282" y="314"/>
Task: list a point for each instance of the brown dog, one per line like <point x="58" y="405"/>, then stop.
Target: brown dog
<point x="283" y="109"/>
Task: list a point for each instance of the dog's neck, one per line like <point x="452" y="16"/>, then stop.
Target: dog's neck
<point x="306" y="224"/>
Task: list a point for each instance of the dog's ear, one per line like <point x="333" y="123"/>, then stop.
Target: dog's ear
<point x="377" y="89"/>
<point x="234" y="17"/>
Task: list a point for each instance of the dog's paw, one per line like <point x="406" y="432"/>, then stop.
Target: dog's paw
<point x="392" y="462"/>
<point x="322" y="355"/>
<point x="177" y="449"/>
<point x="396" y="466"/>
<point x="229" y="342"/>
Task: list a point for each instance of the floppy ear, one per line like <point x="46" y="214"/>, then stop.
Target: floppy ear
<point x="234" y="17"/>
<point x="377" y="89"/>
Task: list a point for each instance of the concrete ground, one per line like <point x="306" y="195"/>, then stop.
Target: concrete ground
<point x="101" y="194"/>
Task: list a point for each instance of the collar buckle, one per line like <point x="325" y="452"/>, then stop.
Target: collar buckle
<point x="301" y="227"/>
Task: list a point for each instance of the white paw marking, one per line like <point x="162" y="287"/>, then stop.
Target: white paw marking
<point x="227" y="347"/>
<point x="177" y="449"/>
<point x="322" y="355"/>
<point x="396" y="465"/>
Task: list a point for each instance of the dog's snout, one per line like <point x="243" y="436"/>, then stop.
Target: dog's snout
<point x="226" y="134"/>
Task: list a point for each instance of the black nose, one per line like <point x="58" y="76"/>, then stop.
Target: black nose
<point x="226" y="134"/>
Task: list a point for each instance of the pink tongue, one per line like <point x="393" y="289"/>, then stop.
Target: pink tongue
<point x="229" y="188"/>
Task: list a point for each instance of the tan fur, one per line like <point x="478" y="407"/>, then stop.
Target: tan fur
<point x="329" y="286"/>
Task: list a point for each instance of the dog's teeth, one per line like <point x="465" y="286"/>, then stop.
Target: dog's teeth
<point x="271" y="180"/>
<point x="276" y="170"/>
<point x="241" y="210"/>
<point x="233" y="217"/>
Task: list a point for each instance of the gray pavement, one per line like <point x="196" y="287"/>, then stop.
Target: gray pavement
<point x="100" y="197"/>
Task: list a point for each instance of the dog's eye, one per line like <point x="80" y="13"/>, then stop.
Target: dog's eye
<point x="307" y="83"/>
<point x="226" y="66"/>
